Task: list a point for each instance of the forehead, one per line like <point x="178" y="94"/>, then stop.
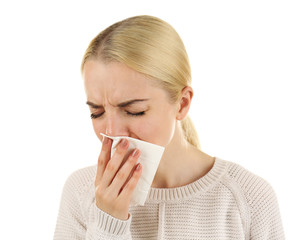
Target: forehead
<point x="114" y="81"/>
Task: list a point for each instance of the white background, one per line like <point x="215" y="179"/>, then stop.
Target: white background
<point x="247" y="60"/>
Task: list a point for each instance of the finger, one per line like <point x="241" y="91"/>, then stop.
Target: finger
<point x="115" y="162"/>
<point x="124" y="173"/>
<point x="128" y="190"/>
<point x="103" y="158"/>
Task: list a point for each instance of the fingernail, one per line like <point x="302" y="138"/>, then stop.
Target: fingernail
<point x="124" y="143"/>
<point x="105" y="140"/>
<point x="135" y="153"/>
<point x="138" y="167"/>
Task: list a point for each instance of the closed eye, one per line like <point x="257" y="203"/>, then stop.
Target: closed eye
<point x="93" y="116"/>
<point x="136" y="114"/>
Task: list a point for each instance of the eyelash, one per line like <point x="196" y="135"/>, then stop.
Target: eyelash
<point x="94" y="116"/>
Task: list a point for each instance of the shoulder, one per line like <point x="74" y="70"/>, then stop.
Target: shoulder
<point x="255" y="194"/>
<point x="254" y="187"/>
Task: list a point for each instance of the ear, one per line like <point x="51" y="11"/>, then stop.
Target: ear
<point x="184" y="103"/>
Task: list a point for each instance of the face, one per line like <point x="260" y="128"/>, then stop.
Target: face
<point x="124" y="102"/>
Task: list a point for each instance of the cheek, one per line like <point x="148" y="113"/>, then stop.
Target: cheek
<point x="158" y="130"/>
<point x="166" y="132"/>
<point x="98" y="128"/>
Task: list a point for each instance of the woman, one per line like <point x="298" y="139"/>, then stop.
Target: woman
<point x="138" y="84"/>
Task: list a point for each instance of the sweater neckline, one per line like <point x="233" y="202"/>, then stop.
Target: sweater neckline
<point x="185" y="192"/>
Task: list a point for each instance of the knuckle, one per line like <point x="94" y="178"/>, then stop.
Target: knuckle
<point x="105" y="198"/>
<point x="104" y="150"/>
<point x="100" y="161"/>
<point x="120" y="175"/>
<point x="129" y="164"/>
<point x="120" y="151"/>
<point x="111" y="166"/>
<point x="131" y="185"/>
<point x="98" y="191"/>
<point x="123" y="146"/>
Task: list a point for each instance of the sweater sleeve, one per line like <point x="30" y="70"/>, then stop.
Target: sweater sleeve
<point x="266" y="221"/>
<point x="71" y="223"/>
<point x="103" y="226"/>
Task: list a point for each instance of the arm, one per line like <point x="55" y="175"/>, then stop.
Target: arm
<point x="105" y="226"/>
<point x="266" y="221"/>
<point x="108" y="214"/>
<point x="70" y="222"/>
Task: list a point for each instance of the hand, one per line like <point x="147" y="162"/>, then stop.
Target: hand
<point x="115" y="179"/>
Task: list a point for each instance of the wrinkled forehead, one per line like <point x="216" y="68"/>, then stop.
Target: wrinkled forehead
<point x="114" y="82"/>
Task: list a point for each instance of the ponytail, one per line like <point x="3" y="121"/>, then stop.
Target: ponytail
<point x="190" y="132"/>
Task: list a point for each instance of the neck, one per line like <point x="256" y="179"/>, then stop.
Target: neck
<point x="181" y="163"/>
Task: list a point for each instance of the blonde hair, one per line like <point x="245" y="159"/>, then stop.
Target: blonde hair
<point x="152" y="47"/>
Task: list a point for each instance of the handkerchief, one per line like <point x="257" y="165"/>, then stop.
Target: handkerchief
<point x="150" y="155"/>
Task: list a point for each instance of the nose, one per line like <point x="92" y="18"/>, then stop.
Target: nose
<point x="115" y="126"/>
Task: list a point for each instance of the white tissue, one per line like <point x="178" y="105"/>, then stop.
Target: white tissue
<point x="150" y="155"/>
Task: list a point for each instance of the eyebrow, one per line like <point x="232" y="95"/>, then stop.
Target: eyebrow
<point x="123" y="104"/>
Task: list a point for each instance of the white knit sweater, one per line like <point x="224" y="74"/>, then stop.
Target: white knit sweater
<point x="229" y="202"/>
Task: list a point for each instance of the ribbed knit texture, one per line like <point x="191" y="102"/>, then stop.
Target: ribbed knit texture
<point x="229" y="202"/>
